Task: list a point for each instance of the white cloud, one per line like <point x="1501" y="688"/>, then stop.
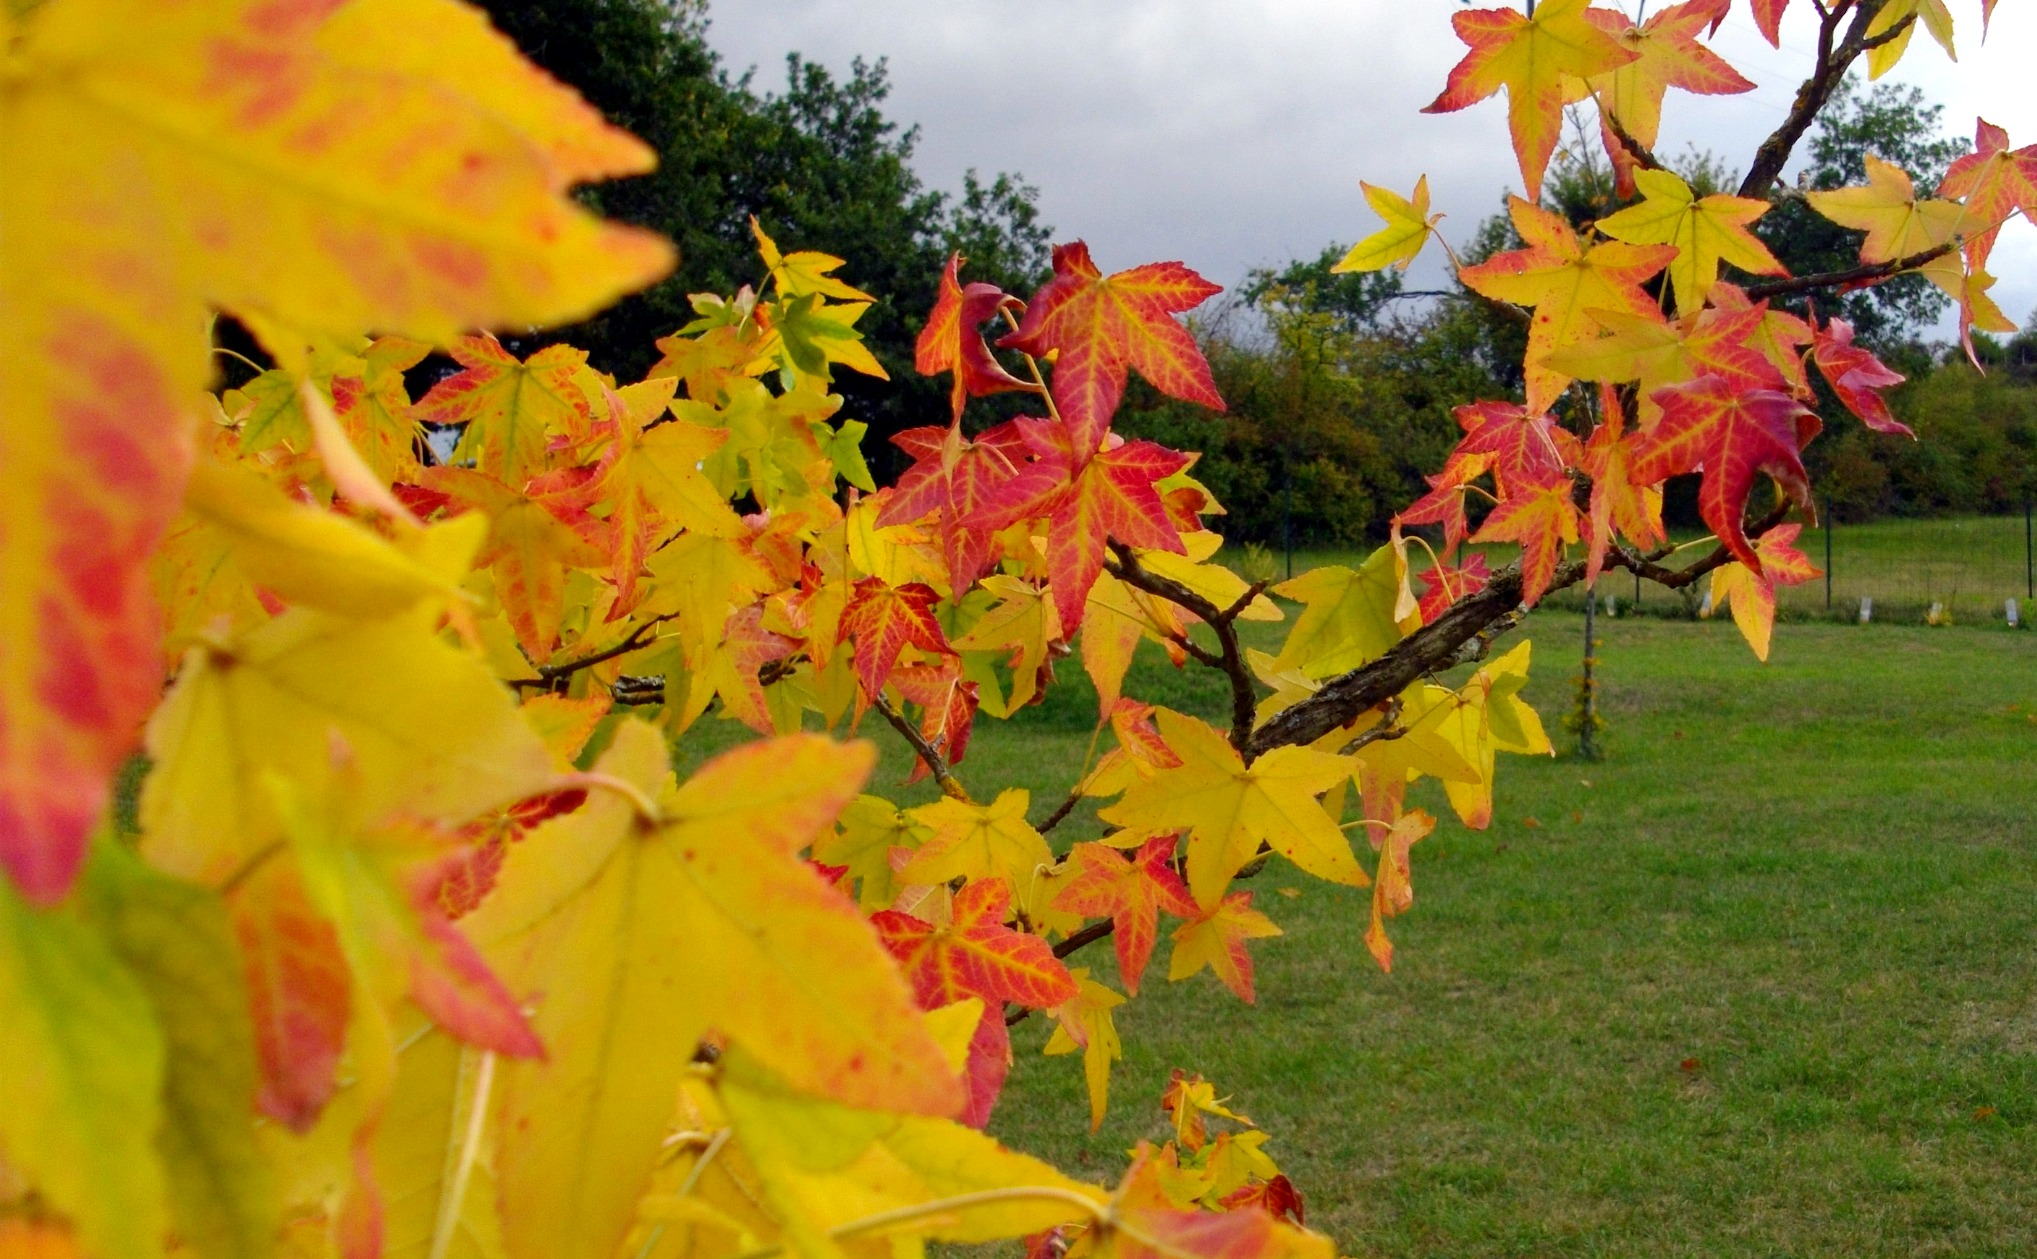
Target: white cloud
<point x="1233" y="135"/>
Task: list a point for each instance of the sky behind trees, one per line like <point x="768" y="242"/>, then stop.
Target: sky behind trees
<point x="1233" y="136"/>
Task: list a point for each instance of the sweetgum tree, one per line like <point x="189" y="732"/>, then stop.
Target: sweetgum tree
<point x="417" y="945"/>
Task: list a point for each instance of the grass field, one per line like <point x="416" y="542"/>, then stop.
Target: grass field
<point x="1968" y="564"/>
<point x="1762" y="983"/>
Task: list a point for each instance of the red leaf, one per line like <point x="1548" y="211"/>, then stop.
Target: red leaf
<point x="986" y="1066"/>
<point x="1447" y="584"/>
<point x="1618" y="503"/>
<point x="1131" y="893"/>
<point x="951" y="341"/>
<point x="1731" y="435"/>
<point x="1087" y="502"/>
<point x="947" y="708"/>
<point x="1768" y="16"/>
<point x="1542" y="518"/>
<point x="976" y="955"/>
<point x="952" y="477"/>
<point x="1097" y="328"/>
<point x="1527" y="447"/>
<point x="1277" y="1197"/>
<point x="884" y="620"/>
<point x="1856" y="376"/>
<point x="299" y="992"/>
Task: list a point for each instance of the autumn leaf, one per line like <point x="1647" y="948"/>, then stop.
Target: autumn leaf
<point x="374" y="407"/>
<point x="871" y="831"/>
<point x="299" y="993"/>
<point x="1705" y="231"/>
<point x="1619" y="504"/>
<point x="1227" y="809"/>
<point x="884" y="620"/>
<point x="1531" y="57"/>
<point x="804" y="271"/>
<point x="1522" y="447"/>
<point x="1408" y="227"/>
<point x="1894" y="23"/>
<point x="952" y="340"/>
<point x="1667" y="55"/>
<point x="1485" y="716"/>
<point x="1751" y="593"/>
<point x="1022" y="625"/>
<point x="1857" y="376"/>
<point x="512" y="408"/>
<point x="1216" y="939"/>
<point x="1563" y="280"/>
<point x="601" y="917"/>
<point x="952" y="476"/>
<point x="1087" y="1024"/>
<point x="1087" y="503"/>
<point x="816" y="335"/>
<point x="1768" y="17"/>
<point x="1732" y="436"/>
<point x="1543" y="519"/>
<point x="1655" y="352"/>
<point x="1887" y="208"/>
<point x="533" y="541"/>
<point x="1992" y="182"/>
<point x="1097" y="328"/>
<point x="1129" y="892"/>
<point x="1349" y="616"/>
<point x="1447" y="583"/>
<point x="977" y="841"/>
<point x="1393" y="889"/>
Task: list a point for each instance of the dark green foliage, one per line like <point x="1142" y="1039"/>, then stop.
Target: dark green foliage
<point x="818" y="164"/>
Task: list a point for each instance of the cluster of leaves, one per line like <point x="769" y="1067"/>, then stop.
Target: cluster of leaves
<point x="419" y="945"/>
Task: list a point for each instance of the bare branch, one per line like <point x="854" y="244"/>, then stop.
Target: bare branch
<point x="927" y="753"/>
<point x="1826" y="74"/>
<point x="1863" y="274"/>
<point x="549" y="676"/>
<point x="1230" y="660"/>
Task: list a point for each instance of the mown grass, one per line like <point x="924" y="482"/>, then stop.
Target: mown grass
<point x="1763" y="982"/>
<point x="1970" y="565"/>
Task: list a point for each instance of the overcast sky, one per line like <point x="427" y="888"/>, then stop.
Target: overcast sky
<point x="1232" y="134"/>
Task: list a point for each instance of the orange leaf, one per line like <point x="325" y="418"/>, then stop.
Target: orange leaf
<point x="1542" y="517"/>
<point x="950" y="478"/>
<point x="1855" y="375"/>
<point x="1131" y="893"/>
<point x="1732" y="435"/>
<point x="975" y="955"/>
<point x="1216" y="939"/>
<point x="299" y="991"/>
<point x="952" y="340"/>
<point x="884" y="620"/>
<point x="1618" y="502"/>
<point x="1097" y="328"/>
<point x="1393" y="889"/>
<point x="1752" y="593"/>
<point x="1667" y="55"/>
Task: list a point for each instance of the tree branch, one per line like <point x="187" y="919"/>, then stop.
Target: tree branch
<point x="549" y="676"/>
<point x="1635" y="149"/>
<point x="1862" y="274"/>
<point x="1124" y="565"/>
<point x="1826" y="73"/>
<point x="927" y="753"/>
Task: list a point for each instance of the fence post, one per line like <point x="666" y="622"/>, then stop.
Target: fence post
<point x="2029" y="552"/>
<point x="1587" y="693"/>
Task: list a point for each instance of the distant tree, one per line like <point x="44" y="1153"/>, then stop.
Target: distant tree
<point x="818" y="164"/>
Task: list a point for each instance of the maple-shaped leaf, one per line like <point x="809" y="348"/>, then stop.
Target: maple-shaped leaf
<point x="374" y="407"/>
<point x="1992" y="182"/>
<point x="814" y="336"/>
<point x="1968" y="286"/>
<point x="948" y="703"/>
<point x="975" y="954"/>
<point x="1705" y="231"/>
<point x="1542" y="517"/>
<point x="804" y="271"/>
<point x="1485" y="716"/>
<point x="1086" y="1023"/>
<point x="1752" y="593"/>
<point x="1444" y="503"/>
<point x="601" y="918"/>
<point x="952" y="476"/>
<point x="1146" y="1221"/>
<point x="1393" y="888"/>
<point x="295" y="163"/>
<point x="730" y="672"/>
<point x="1524" y="447"/>
<point x="1655" y="352"/>
<point x="1447" y="583"/>
<point x="1187" y="1099"/>
<point x="884" y="620"/>
<point x="1129" y="892"/>
<point x="871" y="832"/>
<point x="1216" y="938"/>
<point x="1857" y="377"/>
<point x="1768" y="17"/>
<point x="978" y="841"/>
<point x="1087" y="501"/>
<point x="952" y="340"/>
<point x="1277" y="1197"/>
<point x="1227" y="809"/>
<point x="1531" y="57"/>
<point x="1023" y="625"/>
<point x="512" y="408"/>
<point x="1408" y="227"/>
<point x="1618" y="504"/>
<point x="1667" y="55"/>
<point x="1563" y="280"/>
<point x="1097" y="328"/>
<point x="1140" y="750"/>
<point x="1731" y="435"/>
<point x="1887" y="208"/>
<point x="1779" y="336"/>
<point x="532" y="543"/>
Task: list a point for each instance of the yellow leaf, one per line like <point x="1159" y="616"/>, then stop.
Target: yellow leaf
<point x="1086" y="1023"/>
<point x="978" y="841"/>
<point x="871" y="829"/>
<point x="1408" y="227"/>
<point x="1349" y="617"/>
<point x="1886" y="207"/>
<point x="1705" y="230"/>
<point x="1022" y="625"/>
<point x="605" y="917"/>
<point x="1229" y="809"/>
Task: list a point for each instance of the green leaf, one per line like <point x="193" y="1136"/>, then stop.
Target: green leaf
<point x="178" y="944"/>
<point x="81" y="1075"/>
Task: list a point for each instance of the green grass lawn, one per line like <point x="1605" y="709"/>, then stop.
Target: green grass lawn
<point x="1763" y="982"/>
<point x="1969" y="564"/>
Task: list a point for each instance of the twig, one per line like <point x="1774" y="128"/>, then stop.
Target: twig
<point x="1852" y="275"/>
<point x="1826" y="73"/>
<point x="928" y="754"/>
<point x="1061" y="812"/>
<point x="549" y="676"/>
<point x="1123" y="564"/>
<point x="1678" y="578"/>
